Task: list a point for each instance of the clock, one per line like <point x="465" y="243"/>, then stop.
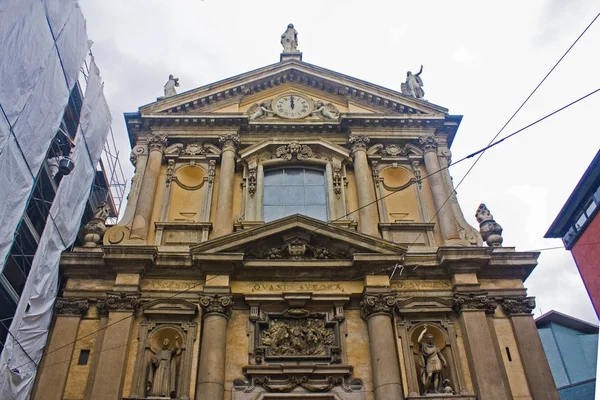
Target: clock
<point x="292" y="105"/>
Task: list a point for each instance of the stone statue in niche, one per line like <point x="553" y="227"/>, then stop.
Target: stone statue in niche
<point x="413" y="86"/>
<point x="162" y="374"/>
<point x="431" y="362"/>
<point x="170" y="86"/>
<point x="289" y="40"/>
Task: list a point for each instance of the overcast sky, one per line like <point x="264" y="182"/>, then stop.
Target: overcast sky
<point x="481" y="60"/>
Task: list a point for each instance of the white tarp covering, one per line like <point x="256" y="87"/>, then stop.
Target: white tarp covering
<point x="34" y="90"/>
<point x="30" y="329"/>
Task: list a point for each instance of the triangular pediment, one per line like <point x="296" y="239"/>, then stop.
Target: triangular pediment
<point x="235" y="95"/>
<point x="298" y="237"/>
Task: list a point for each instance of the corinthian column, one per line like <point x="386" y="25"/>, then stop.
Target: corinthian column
<point x="211" y="372"/>
<point x="145" y="204"/>
<point x="446" y="219"/>
<point x="376" y="310"/>
<point x="535" y="363"/>
<point x="368" y="217"/>
<point x="224" y="218"/>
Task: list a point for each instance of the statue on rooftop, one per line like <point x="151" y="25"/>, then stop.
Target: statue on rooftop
<point x="289" y="40"/>
<point x="413" y="86"/>
<point x="94" y="230"/>
<point x="170" y="86"/>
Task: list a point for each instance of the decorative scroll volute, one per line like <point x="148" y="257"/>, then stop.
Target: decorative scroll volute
<point x="217" y="304"/>
<point x="71" y="306"/>
<point x="518" y="305"/>
<point x="473" y="301"/>
<point x="381" y="303"/>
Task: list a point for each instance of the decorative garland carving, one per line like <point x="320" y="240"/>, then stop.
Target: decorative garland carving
<point x="518" y="305"/>
<point x="417" y="172"/>
<point x="252" y="181"/>
<point x="473" y="301"/>
<point x="294" y="381"/>
<point x="359" y="142"/>
<point x="217" y="304"/>
<point x="170" y="167"/>
<point x="120" y="301"/>
<point x="375" y="172"/>
<point x="381" y="303"/>
<point x="71" y="306"/>
<point x="211" y="170"/>
<point x="337" y="177"/>
<point x="294" y="149"/>
<point x="428" y="143"/>
<point x="157" y="141"/>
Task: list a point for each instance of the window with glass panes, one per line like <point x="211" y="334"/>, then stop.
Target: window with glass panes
<point x="294" y="190"/>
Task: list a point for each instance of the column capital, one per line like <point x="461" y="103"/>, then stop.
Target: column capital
<point x="71" y="306"/>
<point x="229" y="141"/>
<point x="518" y="305"/>
<point x="474" y="301"/>
<point x="359" y="142"/>
<point x="377" y="303"/>
<point x="118" y="301"/>
<point x="428" y="143"/>
<point x="157" y="141"/>
<point x="216" y="304"/>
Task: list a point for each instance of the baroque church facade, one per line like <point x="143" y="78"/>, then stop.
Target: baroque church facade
<point x="293" y="233"/>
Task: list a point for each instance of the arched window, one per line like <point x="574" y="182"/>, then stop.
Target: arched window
<point x="294" y="190"/>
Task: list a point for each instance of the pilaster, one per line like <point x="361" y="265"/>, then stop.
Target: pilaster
<point x="486" y="367"/>
<point x="535" y="363"/>
<point x="108" y="381"/>
<point x="224" y="217"/>
<point x="55" y="364"/>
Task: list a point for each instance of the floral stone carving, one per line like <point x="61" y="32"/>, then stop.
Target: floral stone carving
<point x="120" y="301"/>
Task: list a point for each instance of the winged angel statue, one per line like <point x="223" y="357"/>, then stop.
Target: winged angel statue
<point x="259" y="111"/>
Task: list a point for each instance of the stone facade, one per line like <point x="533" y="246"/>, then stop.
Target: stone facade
<point x="194" y="296"/>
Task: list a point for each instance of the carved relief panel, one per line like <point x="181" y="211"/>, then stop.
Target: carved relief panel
<point x="297" y="334"/>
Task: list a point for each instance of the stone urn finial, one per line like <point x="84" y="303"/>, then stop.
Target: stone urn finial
<point x="94" y="230"/>
<point x="490" y="230"/>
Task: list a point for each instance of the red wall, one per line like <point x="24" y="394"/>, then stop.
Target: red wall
<point x="586" y="253"/>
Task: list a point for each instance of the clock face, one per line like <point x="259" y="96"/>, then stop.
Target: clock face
<point x="292" y="106"/>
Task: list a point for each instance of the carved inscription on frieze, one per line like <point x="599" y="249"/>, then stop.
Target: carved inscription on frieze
<point x="420" y="285"/>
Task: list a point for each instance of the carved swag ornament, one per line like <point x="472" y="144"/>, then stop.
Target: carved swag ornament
<point x="217" y="304"/>
<point x="381" y="303"/>
<point x="473" y="301"/>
